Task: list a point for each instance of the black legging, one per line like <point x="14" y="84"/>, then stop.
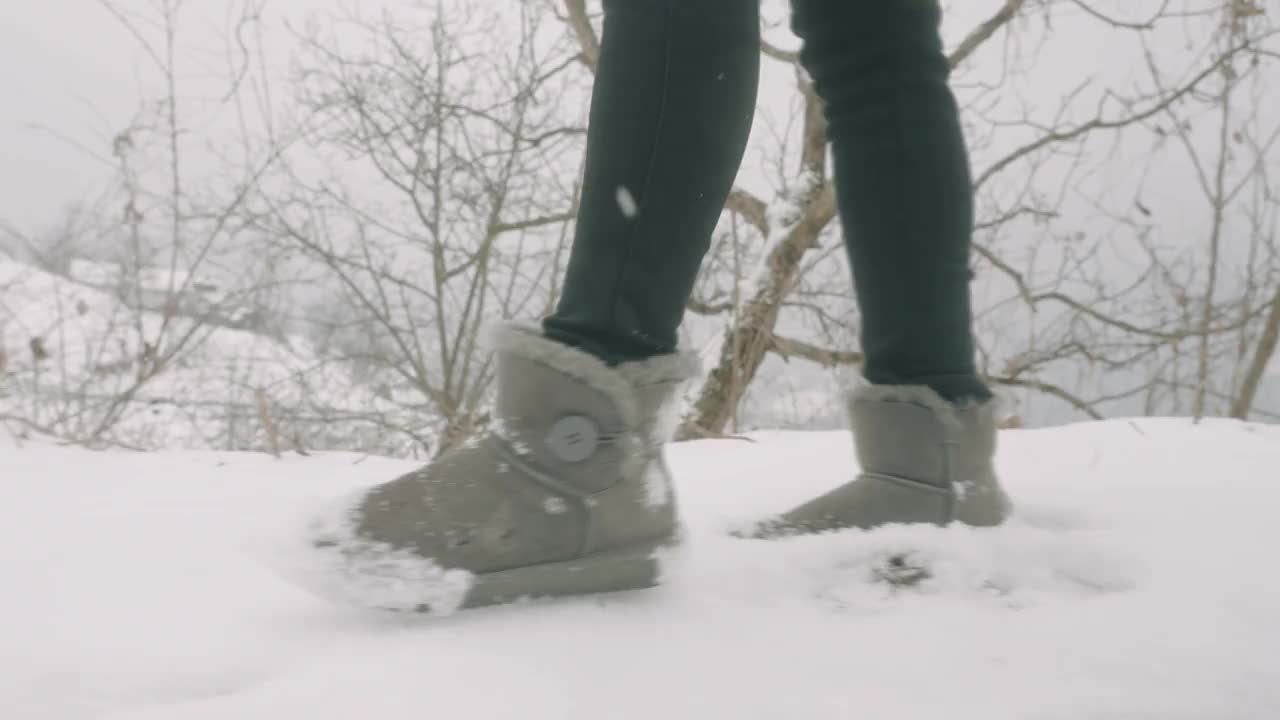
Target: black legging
<point x="675" y="92"/>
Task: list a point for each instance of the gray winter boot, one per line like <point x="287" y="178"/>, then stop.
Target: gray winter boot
<point x="923" y="460"/>
<point x="568" y="494"/>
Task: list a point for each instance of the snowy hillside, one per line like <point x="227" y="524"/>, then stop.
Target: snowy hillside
<point x="1138" y="581"/>
<point x="75" y="360"/>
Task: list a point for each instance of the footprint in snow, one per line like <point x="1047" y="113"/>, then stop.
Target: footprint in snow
<point x="1015" y="566"/>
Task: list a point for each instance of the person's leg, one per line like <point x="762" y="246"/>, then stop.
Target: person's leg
<point x="569" y="493"/>
<point x="924" y="427"/>
<point x="672" y="107"/>
<point x="903" y="185"/>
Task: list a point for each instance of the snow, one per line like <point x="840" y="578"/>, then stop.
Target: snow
<point x="350" y="569"/>
<point x="627" y="202"/>
<point x="1136" y="581"/>
<point x="213" y="394"/>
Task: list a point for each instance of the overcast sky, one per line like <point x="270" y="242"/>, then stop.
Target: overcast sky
<point x="64" y="65"/>
<point x="70" y="77"/>
<point x="69" y="80"/>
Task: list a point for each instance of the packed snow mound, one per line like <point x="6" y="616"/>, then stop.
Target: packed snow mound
<point x="1137" y="580"/>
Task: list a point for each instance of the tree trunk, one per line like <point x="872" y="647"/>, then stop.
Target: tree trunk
<point x="750" y="334"/>
<point x="748" y="339"/>
<point x="1261" y="359"/>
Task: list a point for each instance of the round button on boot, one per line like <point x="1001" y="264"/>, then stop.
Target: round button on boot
<point x="573" y="438"/>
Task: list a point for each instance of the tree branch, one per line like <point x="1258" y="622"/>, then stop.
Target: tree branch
<point x="534" y="222"/>
<point x="983" y="32"/>
<point x="705" y="308"/>
<point x="787" y="56"/>
<point x="1049" y="389"/>
<point x="1079" y="131"/>
<point x="587" y="40"/>
<point x="751" y="208"/>
<point x="1262" y="355"/>
<point x="826" y="357"/>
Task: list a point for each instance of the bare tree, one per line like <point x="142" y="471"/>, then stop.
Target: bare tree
<point x="443" y="200"/>
<point x="157" y="247"/>
<point x="147" y="323"/>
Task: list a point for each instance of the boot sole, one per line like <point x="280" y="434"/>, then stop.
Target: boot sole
<point x="631" y="568"/>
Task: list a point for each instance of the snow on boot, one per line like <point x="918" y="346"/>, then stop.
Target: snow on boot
<point x="923" y="460"/>
<point x="568" y="494"/>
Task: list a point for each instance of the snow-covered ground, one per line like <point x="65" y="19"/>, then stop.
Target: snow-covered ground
<point x="1139" y="580"/>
